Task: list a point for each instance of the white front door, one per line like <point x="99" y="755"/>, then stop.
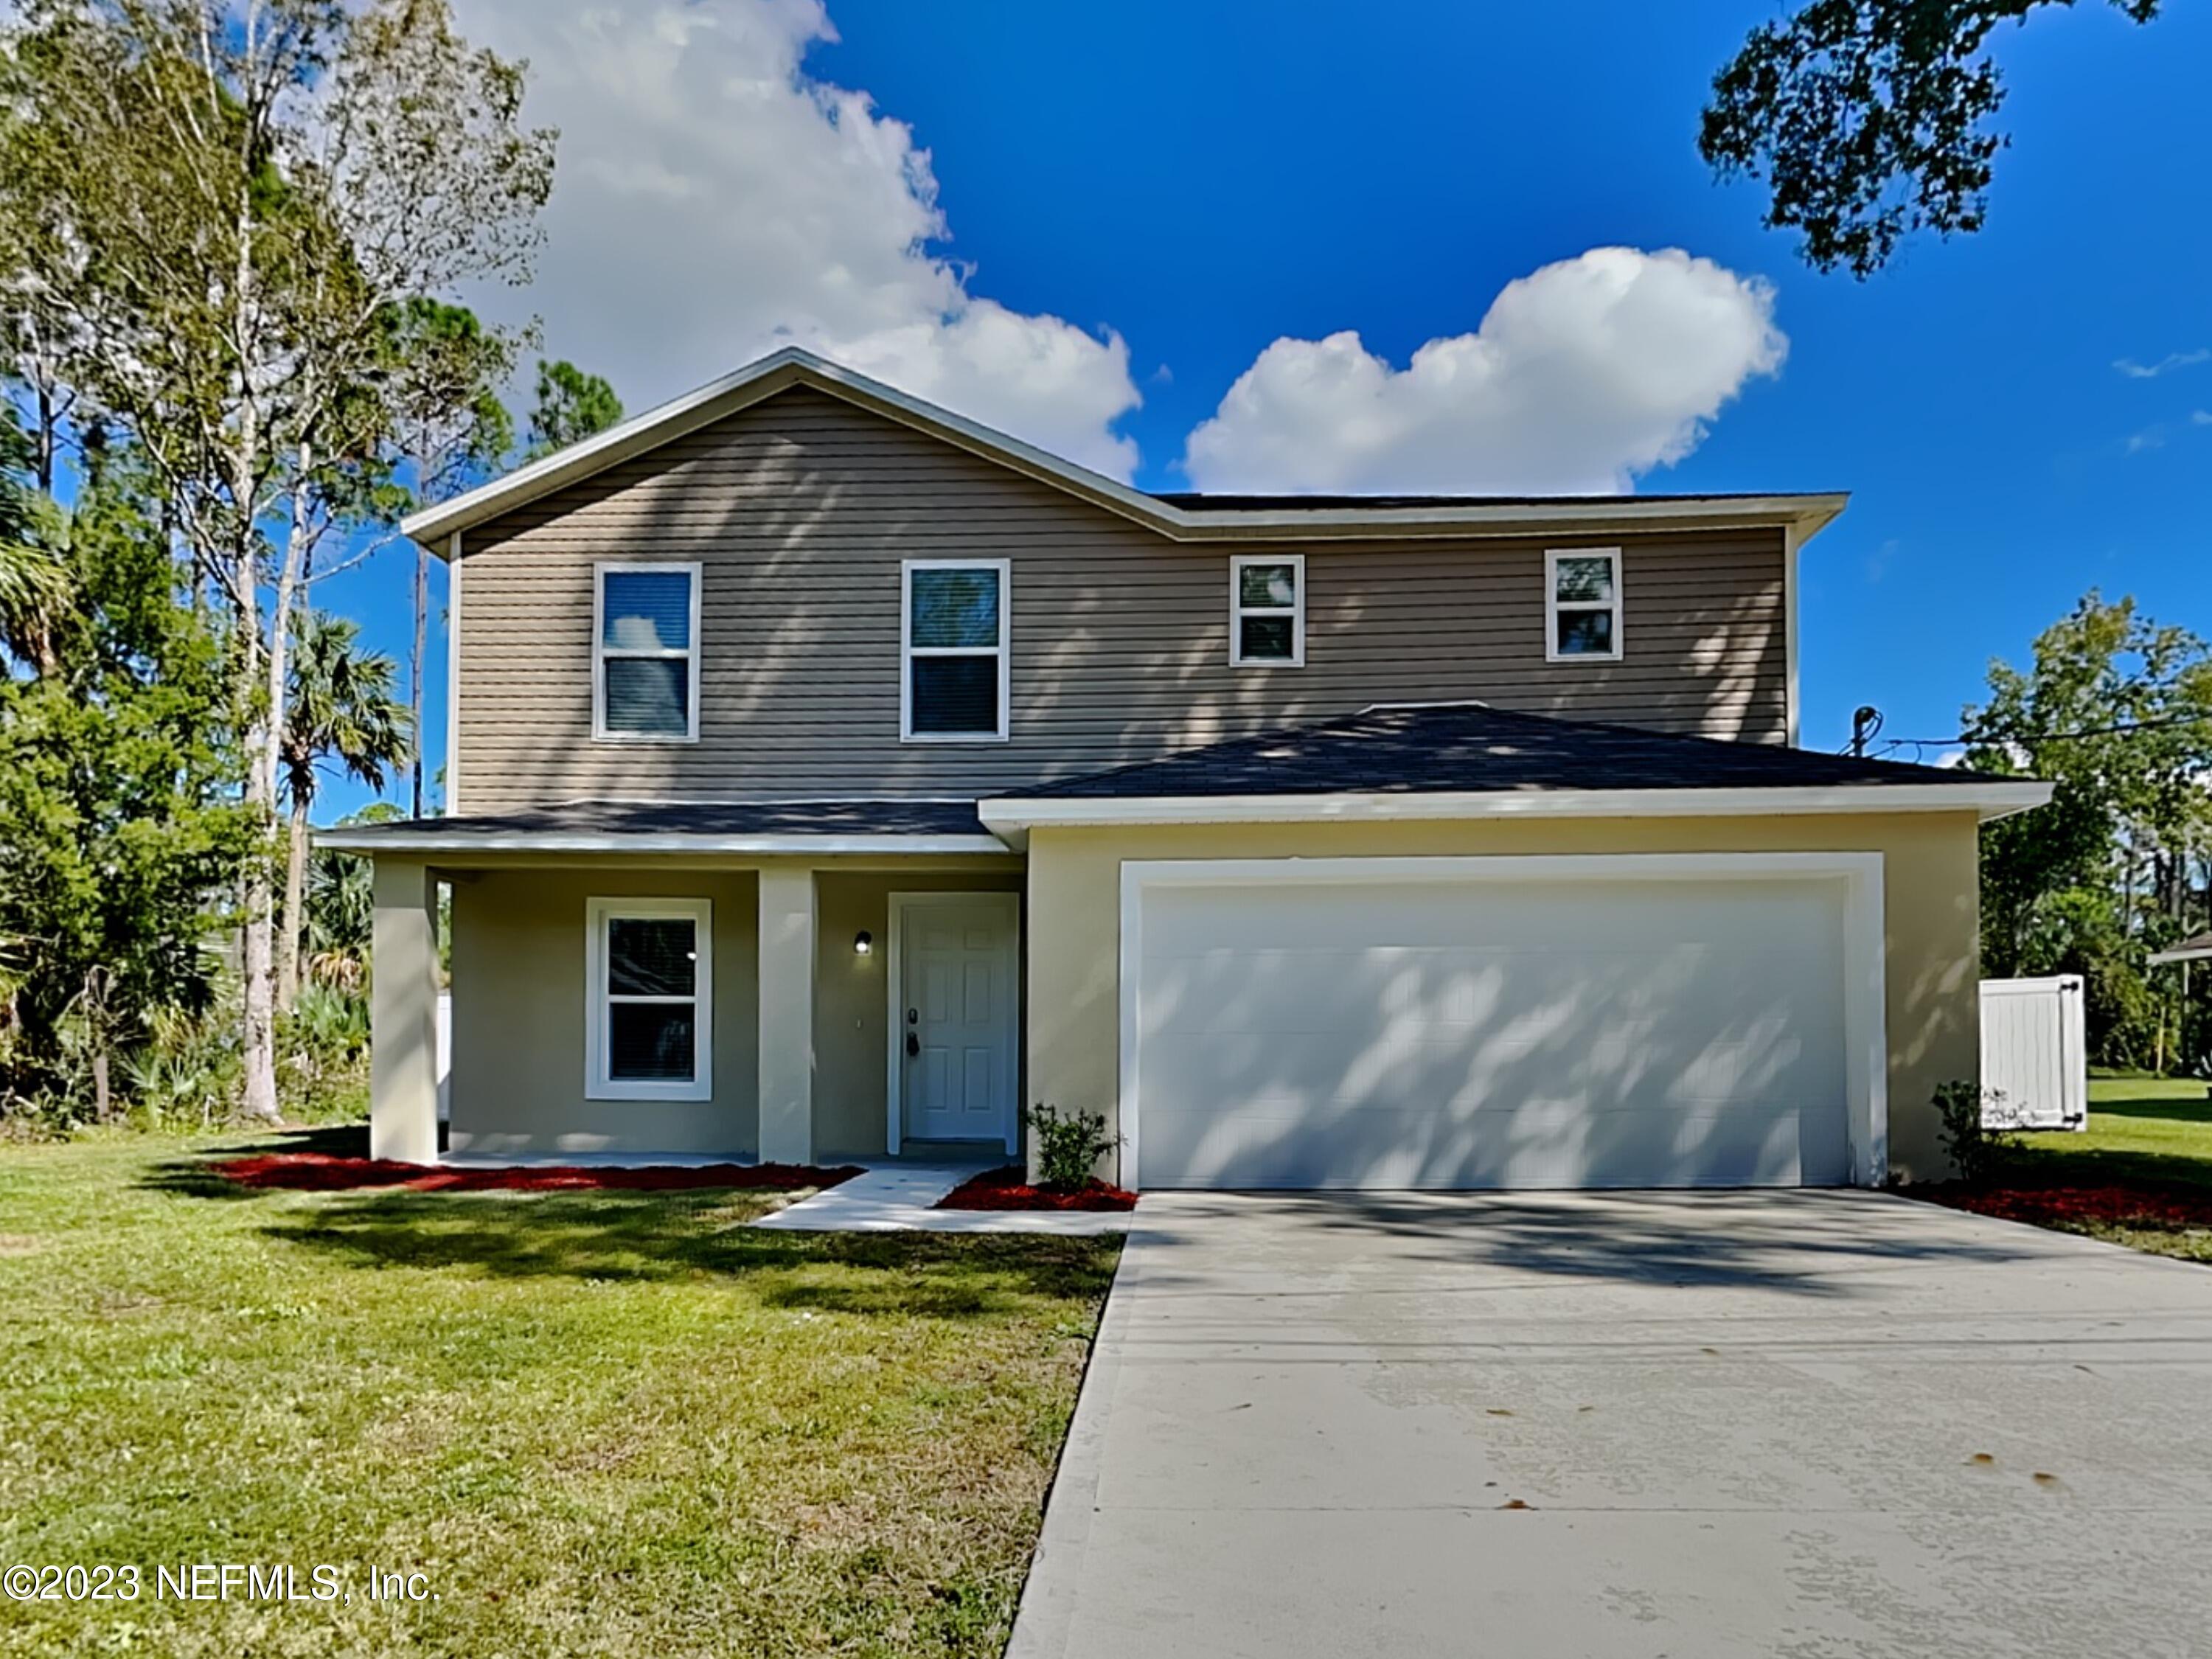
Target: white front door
<point x="956" y="1018"/>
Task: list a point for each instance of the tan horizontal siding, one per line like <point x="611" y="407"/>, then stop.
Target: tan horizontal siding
<point x="800" y="510"/>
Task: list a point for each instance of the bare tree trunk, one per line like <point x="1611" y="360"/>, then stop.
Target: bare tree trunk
<point x="295" y="911"/>
<point x="43" y="437"/>
<point x="95" y="1011"/>
<point x="261" y="795"/>
<point x="259" y="1036"/>
<point x="414" y="668"/>
<point x="257" y="1028"/>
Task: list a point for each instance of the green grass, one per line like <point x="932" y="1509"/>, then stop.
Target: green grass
<point x="2157" y="1129"/>
<point x="2148" y="1130"/>
<point x="597" y="1423"/>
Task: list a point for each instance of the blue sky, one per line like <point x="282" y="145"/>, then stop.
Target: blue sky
<point x="1201" y="181"/>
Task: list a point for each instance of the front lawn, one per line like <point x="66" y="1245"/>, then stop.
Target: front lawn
<point x="2140" y="1175"/>
<point x="2145" y="1128"/>
<point x="600" y="1422"/>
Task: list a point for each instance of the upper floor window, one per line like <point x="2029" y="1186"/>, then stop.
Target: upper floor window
<point x="1267" y="609"/>
<point x="1582" y="605"/>
<point x="645" y="653"/>
<point x="954" y="626"/>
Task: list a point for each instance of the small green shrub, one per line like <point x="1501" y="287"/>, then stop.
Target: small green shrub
<point x="1069" y="1145"/>
<point x="188" y="1075"/>
<point x="323" y="1055"/>
<point x="179" y="1069"/>
<point x="1977" y="1150"/>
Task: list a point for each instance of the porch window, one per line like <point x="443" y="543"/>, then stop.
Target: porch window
<point x="645" y="653"/>
<point x="953" y="630"/>
<point x="1582" y="605"/>
<point x="1268" y="610"/>
<point x="649" y="1025"/>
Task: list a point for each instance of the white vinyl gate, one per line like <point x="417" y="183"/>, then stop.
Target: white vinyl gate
<point x="2035" y="1062"/>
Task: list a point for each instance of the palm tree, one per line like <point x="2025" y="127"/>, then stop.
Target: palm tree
<point x="36" y="592"/>
<point x="339" y="708"/>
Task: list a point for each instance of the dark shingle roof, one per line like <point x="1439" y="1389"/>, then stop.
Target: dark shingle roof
<point x="1412" y="747"/>
<point x="607" y="817"/>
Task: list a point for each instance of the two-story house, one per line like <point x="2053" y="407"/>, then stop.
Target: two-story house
<point x="830" y="774"/>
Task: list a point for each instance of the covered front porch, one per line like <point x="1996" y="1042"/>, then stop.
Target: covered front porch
<point x="846" y="1002"/>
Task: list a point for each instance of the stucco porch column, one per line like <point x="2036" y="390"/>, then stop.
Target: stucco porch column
<point x="787" y="1014"/>
<point x="402" y="1013"/>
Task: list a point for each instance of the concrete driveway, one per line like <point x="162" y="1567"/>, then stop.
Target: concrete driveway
<point x="1801" y="1424"/>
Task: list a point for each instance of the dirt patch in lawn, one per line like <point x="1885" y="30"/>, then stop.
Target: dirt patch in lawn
<point x="1006" y="1189"/>
<point x="320" y="1172"/>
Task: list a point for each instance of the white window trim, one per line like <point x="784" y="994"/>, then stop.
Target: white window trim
<point x="908" y="650"/>
<point x="601" y="651"/>
<point x="1238" y="610"/>
<point x="1553" y="605"/>
<point x="598" y="912"/>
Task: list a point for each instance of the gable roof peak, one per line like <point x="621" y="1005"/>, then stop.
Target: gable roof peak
<point x="1179" y="517"/>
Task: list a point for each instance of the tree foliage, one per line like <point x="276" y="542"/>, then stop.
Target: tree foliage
<point x="118" y="769"/>
<point x="572" y="405"/>
<point x="2116" y="710"/>
<point x="340" y="714"/>
<point x="450" y="428"/>
<point x="215" y="217"/>
<point x="1869" y="119"/>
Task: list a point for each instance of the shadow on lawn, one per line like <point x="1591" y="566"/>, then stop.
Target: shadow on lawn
<point x="2182" y="1161"/>
<point x="656" y="1236"/>
<point x="2038" y="1164"/>
<point x="2180" y="1111"/>
<point x="192" y="1176"/>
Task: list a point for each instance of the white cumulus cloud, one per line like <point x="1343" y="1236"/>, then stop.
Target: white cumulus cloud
<point x="714" y="200"/>
<point x="1582" y="376"/>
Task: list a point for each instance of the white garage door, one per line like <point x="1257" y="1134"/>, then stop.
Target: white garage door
<point x="1491" y="1034"/>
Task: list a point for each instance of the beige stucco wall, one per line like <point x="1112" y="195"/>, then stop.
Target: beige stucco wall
<point x="1931" y="927"/>
<point x="519" y="1015"/>
<point x="851" y="1013"/>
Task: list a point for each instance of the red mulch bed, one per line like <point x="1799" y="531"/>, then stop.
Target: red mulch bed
<point x="319" y="1172"/>
<point x="2114" y="1203"/>
<point x="1005" y="1190"/>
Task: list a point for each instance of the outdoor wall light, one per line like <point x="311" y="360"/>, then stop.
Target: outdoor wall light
<point x="863" y="942"/>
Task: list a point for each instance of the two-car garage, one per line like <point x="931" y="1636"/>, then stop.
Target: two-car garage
<point x="1656" y="1020"/>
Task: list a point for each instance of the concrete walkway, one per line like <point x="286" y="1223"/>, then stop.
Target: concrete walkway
<point x="1725" y="1426"/>
<point x="896" y="1197"/>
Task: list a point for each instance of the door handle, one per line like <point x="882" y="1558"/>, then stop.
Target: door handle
<point x="913" y="1045"/>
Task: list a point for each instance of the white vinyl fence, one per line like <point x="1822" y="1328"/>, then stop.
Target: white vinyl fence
<point x="2035" y="1061"/>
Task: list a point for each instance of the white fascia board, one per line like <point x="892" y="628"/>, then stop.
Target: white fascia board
<point x="2199" y="953"/>
<point x="366" y="840"/>
<point x="1012" y="816"/>
<point x="791" y="366"/>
